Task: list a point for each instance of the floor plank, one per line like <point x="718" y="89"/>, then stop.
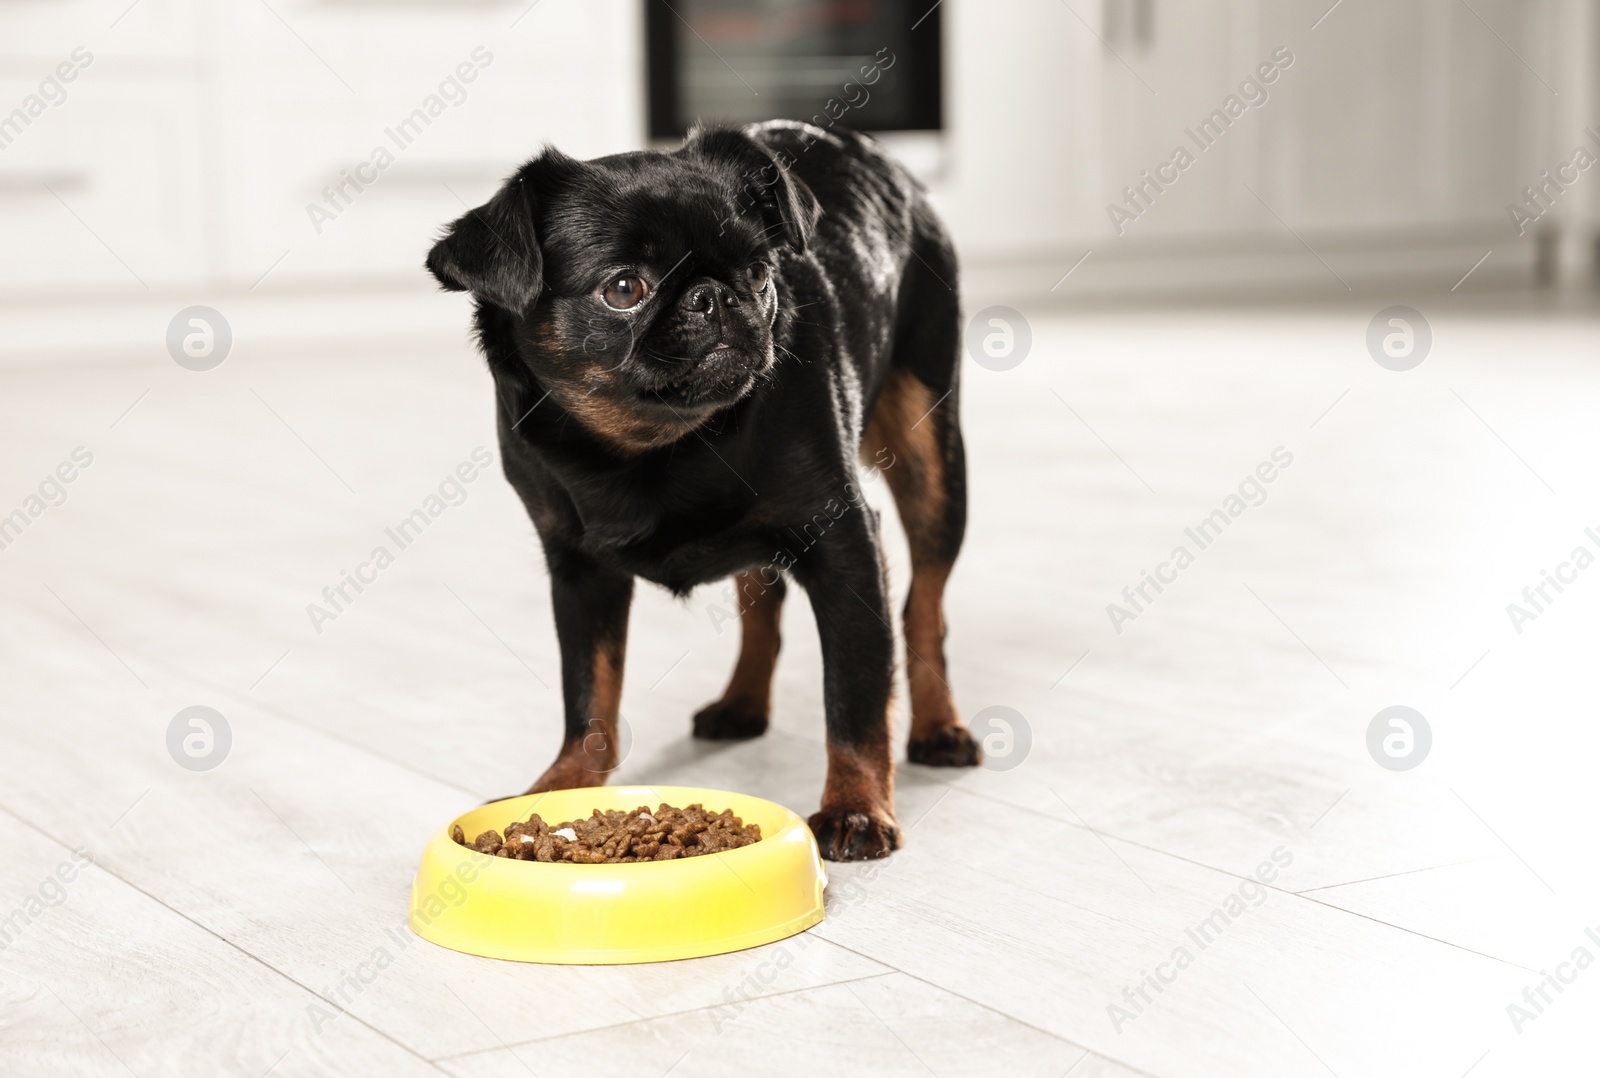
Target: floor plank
<point x="890" y="1025"/>
<point x="100" y="978"/>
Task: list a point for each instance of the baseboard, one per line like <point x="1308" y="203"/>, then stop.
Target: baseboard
<point x="122" y="329"/>
<point x="1254" y="269"/>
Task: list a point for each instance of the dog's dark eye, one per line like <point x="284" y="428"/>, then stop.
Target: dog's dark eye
<point x="624" y="292"/>
<point x="757" y="272"/>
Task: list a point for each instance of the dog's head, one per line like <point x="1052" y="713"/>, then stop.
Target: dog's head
<point x="643" y="287"/>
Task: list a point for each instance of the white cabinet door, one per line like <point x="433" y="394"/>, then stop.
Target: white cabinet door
<point x="1406" y="116"/>
<point x="1410" y="116"/>
<point x="1164" y="69"/>
<point x="102" y="193"/>
<point x="343" y="153"/>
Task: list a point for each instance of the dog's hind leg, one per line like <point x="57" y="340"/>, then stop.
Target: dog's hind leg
<point x="915" y="420"/>
<point x="746" y="703"/>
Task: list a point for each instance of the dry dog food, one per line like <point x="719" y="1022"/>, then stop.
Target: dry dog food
<point x="611" y="837"/>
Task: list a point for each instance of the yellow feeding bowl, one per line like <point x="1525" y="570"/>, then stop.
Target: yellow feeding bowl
<point x="645" y="911"/>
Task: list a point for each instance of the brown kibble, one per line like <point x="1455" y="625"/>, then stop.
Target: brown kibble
<point x="613" y="837"/>
<point x="459" y="835"/>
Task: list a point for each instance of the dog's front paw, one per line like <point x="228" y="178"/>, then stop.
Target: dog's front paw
<point x="951" y="746"/>
<point x="725" y="720"/>
<point x="854" y="835"/>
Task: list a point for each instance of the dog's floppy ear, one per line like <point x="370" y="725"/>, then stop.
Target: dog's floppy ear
<point x="493" y="251"/>
<point x="767" y="184"/>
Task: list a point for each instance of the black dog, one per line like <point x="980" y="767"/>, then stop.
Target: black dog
<point x="690" y="349"/>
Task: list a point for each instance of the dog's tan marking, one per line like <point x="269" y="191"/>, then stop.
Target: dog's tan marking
<point x="760" y="610"/>
<point x="580" y="384"/>
<point x="932" y="707"/>
<point x="856" y="821"/>
<point x="904" y="422"/>
<point x="589" y="758"/>
<point x="619" y="425"/>
<point x="744" y="707"/>
<point x="860" y="779"/>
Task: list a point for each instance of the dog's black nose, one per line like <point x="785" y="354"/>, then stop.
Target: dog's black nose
<point x="704" y="298"/>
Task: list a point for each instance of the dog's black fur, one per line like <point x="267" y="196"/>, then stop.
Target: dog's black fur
<point x="714" y="427"/>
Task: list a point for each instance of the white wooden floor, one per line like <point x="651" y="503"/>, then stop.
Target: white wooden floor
<point x="225" y="908"/>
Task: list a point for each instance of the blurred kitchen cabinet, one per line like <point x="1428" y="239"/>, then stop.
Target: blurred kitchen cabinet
<point x="1163" y="67"/>
<point x="315" y="144"/>
<point x="291" y="145"/>
<point x="102" y="190"/>
<point x="1416" y="115"/>
<point x="134" y="33"/>
<point x="1390" y="116"/>
<point x="346" y="151"/>
<point x="99" y="146"/>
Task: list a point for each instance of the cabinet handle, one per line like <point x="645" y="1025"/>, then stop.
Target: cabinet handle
<point x="30" y="183"/>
